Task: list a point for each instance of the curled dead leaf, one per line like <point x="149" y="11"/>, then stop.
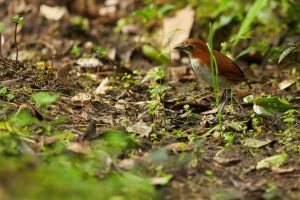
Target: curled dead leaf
<point x="62" y="74"/>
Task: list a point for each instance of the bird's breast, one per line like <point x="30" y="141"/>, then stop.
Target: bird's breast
<point x="203" y="71"/>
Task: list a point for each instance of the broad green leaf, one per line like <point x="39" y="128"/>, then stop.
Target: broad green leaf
<point x="45" y="98"/>
<point x="270" y="105"/>
<point x="273" y="161"/>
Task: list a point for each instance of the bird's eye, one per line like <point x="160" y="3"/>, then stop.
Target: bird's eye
<point x="191" y="47"/>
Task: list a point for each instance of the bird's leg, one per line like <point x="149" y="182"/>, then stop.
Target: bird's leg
<point x="226" y="96"/>
<point x="226" y="92"/>
<point x="222" y="95"/>
<point x="234" y="98"/>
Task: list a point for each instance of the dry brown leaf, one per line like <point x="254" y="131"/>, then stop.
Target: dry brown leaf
<point x="226" y="161"/>
<point x="286" y="83"/>
<point x="140" y="128"/>
<point x="62" y="74"/>
<point x="279" y="170"/>
<point x="81" y="97"/>
<point x="176" y="29"/>
<point x="79" y="147"/>
<point x="52" y="13"/>
<point x="179" y="146"/>
<point x="103" y="87"/>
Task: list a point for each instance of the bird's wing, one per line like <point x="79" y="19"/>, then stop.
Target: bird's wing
<point x="229" y="69"/>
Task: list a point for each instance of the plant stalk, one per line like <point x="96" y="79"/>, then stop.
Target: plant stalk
<point x="16" y="43"/>
<point x="1" y="56"/>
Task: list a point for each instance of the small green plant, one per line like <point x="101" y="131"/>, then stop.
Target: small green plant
<point x="79" y="23"/>
<point x="152" y="12"/>
<point x="289" y="117"/>
<point x="156" y="90"/>
<point x="129" y="79"/>
<point x="229" y="139"/>
<point x="18" y="21"/>
<point x="5" y="93"/>
<point x="100" y="51"/>
<point x="75" y="51"/>
<point x="244" y="29"/>
<point x="1" y="31"/>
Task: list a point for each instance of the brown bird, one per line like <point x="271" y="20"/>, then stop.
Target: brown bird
<point x="229" y="73"/>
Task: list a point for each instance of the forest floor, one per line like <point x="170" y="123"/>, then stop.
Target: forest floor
<point x="166" y="118"/>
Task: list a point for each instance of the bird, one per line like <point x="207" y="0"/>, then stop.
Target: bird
<point x="229" y="73"/>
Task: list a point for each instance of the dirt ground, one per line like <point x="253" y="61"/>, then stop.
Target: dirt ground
<point x="206" y="160"/>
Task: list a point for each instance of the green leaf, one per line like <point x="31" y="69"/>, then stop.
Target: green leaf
<point x="21" y="119"/>
<point x="45" y="98"/>
<point x="166" y="8"/>
<point x="273" y="161"/>
<point x="154" y="54"/>
<point x="285" y="53"/>
<point x="75" y="51"/>
<point x="18" y="20"/>
<point x="2" y="26"/>
<point x="248" y="99"/>
<point x="10" y="96"/>
<point x="3" y="91"/>
<point x="101" y="51"/>
<point x="270" y="105"/>
<point x="251" y="14"/>
<point x="147" y="14"/>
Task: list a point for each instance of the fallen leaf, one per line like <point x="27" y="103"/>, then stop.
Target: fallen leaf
<point x="81" y="97"/>
<point x="226" y="161"/>
<point x="272" y="161"/>
<point x="161" y="180"/>
<point x="52" y="13"/>
<point x="10" y="82"/>
<point x="176" y="29"/>
<point x="254" y="143"/>
<point x="286" y="83"/>
<point x="62" y="75"/>
<point x="90" y="132"/>
<point x="179" y="146"/>
<point x="89" y="62"/>
<point x="140" y="128"/>
<point x="25" y="55"/>
<point x="103" y="87"/>
<point x="279" y="170"/>
<point x="79" y="147"/>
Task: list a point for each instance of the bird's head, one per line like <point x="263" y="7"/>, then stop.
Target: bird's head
<point x="193" y="47"/>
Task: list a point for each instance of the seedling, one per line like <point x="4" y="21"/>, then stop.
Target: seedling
<point x="17" y="20"/>
<point x="100" y="51"/>
<point x="1" y="31"/>
<point x="75" y="51"/>
<point x="5" y="93"/>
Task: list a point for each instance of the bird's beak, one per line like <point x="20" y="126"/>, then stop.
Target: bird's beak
<point x="180" y="47"/>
